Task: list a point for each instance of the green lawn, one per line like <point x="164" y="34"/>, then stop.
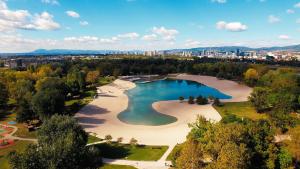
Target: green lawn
<point x="124" y="151"/>
<point x="93" y="139"/>
<point x="19" y="146"/>
<point x="241" y="110"/>
<point x="110" y="166"/>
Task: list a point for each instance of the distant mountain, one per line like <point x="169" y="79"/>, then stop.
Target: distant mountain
<point x="294" y="48"/>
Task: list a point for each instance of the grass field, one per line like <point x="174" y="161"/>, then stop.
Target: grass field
<point x="138" y="153"/>
<point x="19" y="146"/>
<point x="110" y="166"/>
<point x="241" y="110"/>
<point x="294" y="145"/>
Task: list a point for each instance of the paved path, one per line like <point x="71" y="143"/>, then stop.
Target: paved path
<point x="10" y="135"/>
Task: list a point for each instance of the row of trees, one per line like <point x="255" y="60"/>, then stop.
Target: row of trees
<point x="41" y="92"/>
<point x="235" y="146"/>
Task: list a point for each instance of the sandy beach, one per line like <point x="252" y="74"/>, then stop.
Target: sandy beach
<point x="100" y="116"/>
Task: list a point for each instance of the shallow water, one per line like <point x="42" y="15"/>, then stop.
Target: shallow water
<point x="140" y="111"/>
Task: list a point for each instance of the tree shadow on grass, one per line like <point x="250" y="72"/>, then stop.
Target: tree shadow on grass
<point x="113" y="150"/>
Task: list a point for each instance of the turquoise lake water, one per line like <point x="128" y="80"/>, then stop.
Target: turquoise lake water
<point x="140" y="111"/>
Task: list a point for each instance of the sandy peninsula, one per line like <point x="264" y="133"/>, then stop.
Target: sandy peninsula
<point x="100" y="116"/>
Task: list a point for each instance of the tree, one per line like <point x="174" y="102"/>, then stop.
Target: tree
<point x="217" y="102"/>
<point x="232" y="156"/>
<point x="191" y="156"/>
<point x="92" y="77"/>
<point x="108" y="138"/>
<point x="285" y="159"/>
<point x="46" y="103"/>
<point x="181" y="99"/>
<point x="76" y="81"/>
<point x="201" y="100"/>
<point x="133" y="142"/>
<point x="259" y="99"/>
<point x="22" y="91"/>
<point x="191" y="100"/>
<point x="251" y="77"/>
<point x="50" y="83"/>
<point x="119" y="140"/>
<point x="61" y="144"/>
<point x="3" y="95"/>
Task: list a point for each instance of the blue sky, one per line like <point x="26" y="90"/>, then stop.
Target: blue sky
<point x="27" y="25"/>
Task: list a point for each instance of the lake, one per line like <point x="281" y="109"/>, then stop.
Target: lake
<point x="140" y="111"/>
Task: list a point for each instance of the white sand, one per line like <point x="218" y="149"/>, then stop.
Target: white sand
<point x="100" y="116"/>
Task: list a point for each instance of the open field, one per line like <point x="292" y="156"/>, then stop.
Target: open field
<point x="240" y="109"/>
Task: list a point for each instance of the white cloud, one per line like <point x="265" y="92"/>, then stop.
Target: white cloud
<point x="83" y="23"/>
<point x="166" y="34"/>
<point x="231" y="26"/>
<point x="52" y="2"/>
<point x="72" y="14"/>
<point x="192" y="43"/>
<point x="283" y="37"/>
<point x="273" y="19"/>
<point x="131" y="36"/>
<point x="290" y="11"/>
<point x="43" y="21"/>
<point x="22" y="19"/>
<point x="151" y="37"/>
<point x="82" y="39"/>
<point x="297" y="5"/>
<point x="219" y="1"/>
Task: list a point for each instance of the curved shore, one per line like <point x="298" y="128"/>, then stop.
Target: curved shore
<point x="100" y="116"/>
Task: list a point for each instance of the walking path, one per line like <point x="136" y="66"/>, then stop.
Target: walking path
<point x="10" y="135"/>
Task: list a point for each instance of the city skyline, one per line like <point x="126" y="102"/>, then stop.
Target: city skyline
<point x="26" y="25"/>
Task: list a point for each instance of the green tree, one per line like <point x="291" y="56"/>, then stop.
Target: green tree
<point x="76" y="81"/>
<point x="3" y="95"/>
<point x="61" y="144"/>
<point x="285" y="159"/>
<point x="259" y="99"/>
<point x="51" y="83"/>
<point x="181" y="99"/>
<point x="46" y="103"/>
<point x="191" y="100"/>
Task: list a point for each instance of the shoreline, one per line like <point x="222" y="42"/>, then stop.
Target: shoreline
<point x="100" y="116"/>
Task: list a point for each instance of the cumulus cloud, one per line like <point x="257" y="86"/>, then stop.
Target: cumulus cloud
<point x="273" y="19"/>
<point x="22" y="19"/>
<point x="83" y="23"/>
<point x="131" y="36"/>
<point x="43" y="21"/>
<point x="231" y="26"/>
<point x="219" y="1"/>
<point x="192" y="43"/>
<point x="72" y="14"/>
<point x="52" y="2"/>
<point x="283" y="37"/>
<point x="150" y="37"/>
<point x="82" y="39"/>
<point x="166" y="34"/>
